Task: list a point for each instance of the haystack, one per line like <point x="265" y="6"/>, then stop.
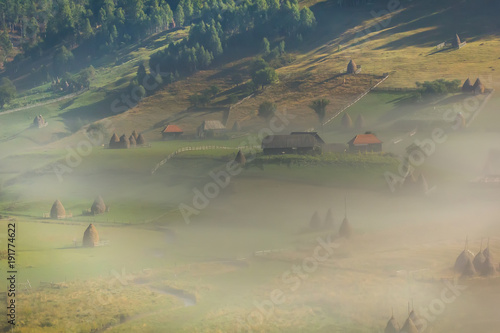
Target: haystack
<point x="478" y="87"/>
<point x="345" y="229"/>
<point x="467" y="87"/>
<point x="57" y="211"/>
<point x="409" y="327"/>
<point x="39" y="121"/>
<point x="463" y="258"/>
<point x="131" y="139"/>
<point x="236" y="126"/>
<point x="456" y="41"/>
<point x="124" y="143"/>
<point x="114" y="141"/>
<point x="417" y="321"/>
<point x="459" y="121"/>
<point x="140" y="140"/>
<point x="392" y="326"/>
<point x="422" y="183"/>
<point x="360" y="122"/>
<point x="240" y="158"/>
<point x="479" y="259"/>
<point x="488" y="269"/>
<point x="352" y="67"/>
<point x="469" y="270"/>
<point x="486" y="251"/>
<point x="346" y="121"/>
<point x="329" y="221"/>
<point x="90" y="236"/>
<point x="315" y="222"/>
<point x="98" y="207"/>
<point x="134" y="134"/>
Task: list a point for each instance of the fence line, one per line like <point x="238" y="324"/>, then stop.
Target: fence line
<point x="191" y="148"/>
<point x="356" y="100"/>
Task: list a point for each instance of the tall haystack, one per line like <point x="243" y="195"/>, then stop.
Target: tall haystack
<point x="315" y="222"/>
<point x="98" y="207"/>
<point x="459" y="121"/>
<point x="345" y="229"/>
<point x="140" y="140"/>
<point x="236" y="126"/>
<point x="39" y="121"/>
<point x="463" y="259"/>
<point x="469" y="270"/>
<point x="134" y="134"/>
<point x="478" y="87"/>
<point x="360" y="122"/>
<point x="467" y="87"/>
<point x="57" y="211"/>
<point x="392" y="326"/>
<point x="114" y="141"/>
<point x="329" y="222"/>
<point x="479" y="259"/>
<point x="124" y="143"/>
<point x="131" y="139"/>
<point x="456" y="41"/>
<point x="352" y="67"/>
<point x="422" y="184"/>
<point x="486" y="251"/>
<point x="240" y="158"/>
<point x="488" y="269"/>
<point x="346" y="121"/>
<point x="417" y="321"/>
<point x="90" y="236"/>
<point x="409" y="327"/>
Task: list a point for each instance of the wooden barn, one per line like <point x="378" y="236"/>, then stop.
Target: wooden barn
<point x="171" y="132"/>
<point x="365" y="143"/>
<point x="290" y="144"/>
<point x="314" y="134"/>
<point x="210" y="128"/>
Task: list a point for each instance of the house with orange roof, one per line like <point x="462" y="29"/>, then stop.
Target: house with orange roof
<point x="367" y="142"/>
<point x="171" y="132"/>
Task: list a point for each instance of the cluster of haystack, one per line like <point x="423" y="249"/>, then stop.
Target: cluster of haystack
<point x="413" y="324"/>
<point x="476" y="89"/>
<point x="468" y="265"/>
<point x="345" y="229"/>
<point x="123" y="142"/>
<point x="90" y="237"/>
<point x="39" y="121"/>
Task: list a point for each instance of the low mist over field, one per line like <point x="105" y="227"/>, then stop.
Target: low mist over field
<point x="258" y="166"/>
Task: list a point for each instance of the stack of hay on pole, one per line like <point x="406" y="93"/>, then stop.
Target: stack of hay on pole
<point x="360" y="122"/>
<point x="236" y="126"/>
<point x="114" y="142"/>
<point x="131" y="139"/>
<point x="39" y="121"/>
<point x="90" y="237"/>
<point x="467" y="86"/>
<point x="329" y="221"/>
<point x="463" y="259"/>
<point x="140" y="140"/>
<point x="98" y="207"/>
<point x="57" y="211"/>
<point x="488" y="269"/>
<point x="240" y="158"/>
<point x="124" y="143"/>
<point x="345" y="229"/>
<point x="479" y="258"/>
<point x="346" y="121"/>
<point x="315" y="222"/>
<point x="392" y="325"/>
<point x="134" y="134"/>
<point x="478" y="87"/>
<point x="352" y="68"/>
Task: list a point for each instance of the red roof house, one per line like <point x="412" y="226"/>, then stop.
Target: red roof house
<point x="365" y="142"/>
<point x="171" y="132"/>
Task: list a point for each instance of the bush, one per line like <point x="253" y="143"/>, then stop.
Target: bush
<point x="267" y="109"/>
<point x="439" y="87"/>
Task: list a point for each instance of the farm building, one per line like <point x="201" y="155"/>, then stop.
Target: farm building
<point x="210" y="128"/>
<point x="364" y="143"/>
<point x="290" y="144"/>
<point x="171" y="132"/>
<point x="314" y="134"/>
